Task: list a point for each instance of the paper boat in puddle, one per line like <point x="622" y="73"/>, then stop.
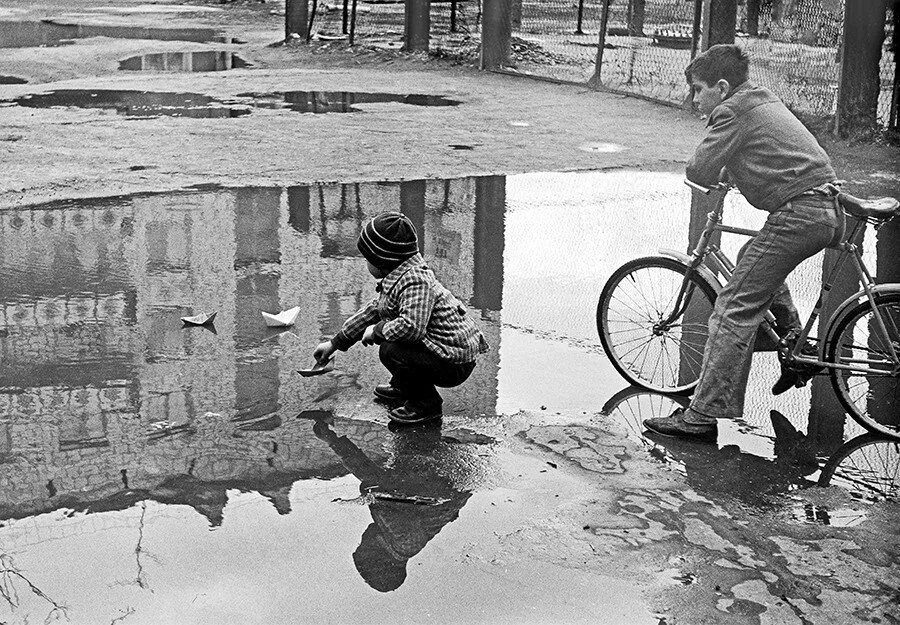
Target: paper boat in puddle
<point x="318" y="369"/>
<point x="203" y="319"/>
<point x="283" y="319"/>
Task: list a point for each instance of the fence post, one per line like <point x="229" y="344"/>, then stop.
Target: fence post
<point x="296" y="16"/>
<point x="417" y="25"/>
<point x="496" y="34"/>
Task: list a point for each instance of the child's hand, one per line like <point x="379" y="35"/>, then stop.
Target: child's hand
<point x="323" y="351"/>
<point x="369" y="336"/>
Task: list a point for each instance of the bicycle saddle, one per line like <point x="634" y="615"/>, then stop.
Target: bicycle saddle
<point x="881" y="208"/>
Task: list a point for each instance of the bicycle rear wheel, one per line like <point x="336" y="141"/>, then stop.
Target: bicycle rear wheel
<point x="868" y="465"/>
<point x="646" y="347"/>
<point x="871" y="393"/>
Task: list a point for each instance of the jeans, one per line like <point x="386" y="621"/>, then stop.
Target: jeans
<point x="416" y="371"/>
<point x="801" y="228"/>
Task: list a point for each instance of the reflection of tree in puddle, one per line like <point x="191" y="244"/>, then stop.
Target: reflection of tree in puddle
<point x="409" y="499"/>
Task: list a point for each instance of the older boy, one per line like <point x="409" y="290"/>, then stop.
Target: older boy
<point x="426" y="337"/>
<point x="780" y="168"/>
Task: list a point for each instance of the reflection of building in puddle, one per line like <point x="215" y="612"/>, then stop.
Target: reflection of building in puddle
<point x="98" y="379"/>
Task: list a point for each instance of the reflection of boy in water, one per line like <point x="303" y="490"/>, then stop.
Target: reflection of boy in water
<point x="400" y="527"/>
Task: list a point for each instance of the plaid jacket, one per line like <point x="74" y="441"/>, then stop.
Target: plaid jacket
<point x="412" y="306"/>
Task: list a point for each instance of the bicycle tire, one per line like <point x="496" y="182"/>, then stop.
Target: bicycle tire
<point x="869" y="465"/>
<point x="871" y="400"/>
<point x="634" y="298"/>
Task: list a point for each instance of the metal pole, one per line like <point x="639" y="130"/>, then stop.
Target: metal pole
<point x="698" y="27"/>
<point x="578" y="30"/>
<point x="595" y="80"/>
<point x="452" y="16"/>
<point x="352" y="21"/>
<point x="312" y="17"/>
<point x="344" y="17"/>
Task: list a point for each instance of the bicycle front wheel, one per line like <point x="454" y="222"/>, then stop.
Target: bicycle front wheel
<point x="870" y="388"/>
<point x="648" y="341"/>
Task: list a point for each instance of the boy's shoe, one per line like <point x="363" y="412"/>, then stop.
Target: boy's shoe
<point x="388" y="393"/>
<point x="412" y="413"/>
<point x="796" y="375"/>
<point x="675" y="425"/>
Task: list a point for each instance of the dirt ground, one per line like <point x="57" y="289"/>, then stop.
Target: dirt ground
<point x="512" y="124"/>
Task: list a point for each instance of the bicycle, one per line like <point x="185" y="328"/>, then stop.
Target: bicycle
<point x="653" y="313"/>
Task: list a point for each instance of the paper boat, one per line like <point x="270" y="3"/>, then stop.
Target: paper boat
<point x="203" y="319"/>
<point x="318" y="369"/>
<point x="283" y="319"/>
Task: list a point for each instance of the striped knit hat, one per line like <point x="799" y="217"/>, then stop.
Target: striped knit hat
<point x="388" y="239"/>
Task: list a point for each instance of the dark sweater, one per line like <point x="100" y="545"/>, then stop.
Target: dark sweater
<point x="770" y="156"/>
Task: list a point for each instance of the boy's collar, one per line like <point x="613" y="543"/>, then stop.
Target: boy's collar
<point x="386" y="283"/>
<point x="744" y="85"/>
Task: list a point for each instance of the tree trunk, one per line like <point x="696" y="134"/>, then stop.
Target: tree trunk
<point x="753" y="17"/>
<point x="515" y="10"/>
<point x="417" y="25"/>
<point x="860" y="83"/>
<point x="636" y="12"/>
<point x="496" y="37"/>
<point x="722" y="21"/>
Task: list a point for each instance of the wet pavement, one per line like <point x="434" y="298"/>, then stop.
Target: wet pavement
<point x="193" y="476"/>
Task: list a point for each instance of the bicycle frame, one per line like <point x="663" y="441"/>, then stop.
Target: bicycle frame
<point x="719" y="263"/>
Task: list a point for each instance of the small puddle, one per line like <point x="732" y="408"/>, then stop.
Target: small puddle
<point x="135" y="103"/>
<point x="339" y="101"/>
<point x="29" y="34"/>
<point x="12" y="80"/>
<point x="202" y="61"/>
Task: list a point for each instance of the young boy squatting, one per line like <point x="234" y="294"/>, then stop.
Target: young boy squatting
<point x="425" y="336"/>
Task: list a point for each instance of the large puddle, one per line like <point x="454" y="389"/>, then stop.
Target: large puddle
<point x="25" y="34"/>
<point x="196" y="105"/>
<point x="125" y="437"/>
<point x="340" y="101"/>
<point x="136" y="103"/>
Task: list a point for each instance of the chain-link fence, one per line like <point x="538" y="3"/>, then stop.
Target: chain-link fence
<point x="648" y="44"/>
<point x="795" y="45"/>
<point x="380" y="23"/>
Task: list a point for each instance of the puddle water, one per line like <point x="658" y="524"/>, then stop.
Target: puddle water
<point x="125" y="437"/>
<point x="203" y="61"/>
<point x="339" y="101"/>
<point x="135" y="103"/>
<point x="25" y="34"/>
<point x="12" y="80"/>
<point x="154" y="103"/>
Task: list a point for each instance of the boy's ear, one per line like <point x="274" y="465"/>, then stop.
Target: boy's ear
<point x="723" y="86"/>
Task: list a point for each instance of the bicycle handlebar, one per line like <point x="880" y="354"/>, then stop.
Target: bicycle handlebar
<point x="722" y="186"/>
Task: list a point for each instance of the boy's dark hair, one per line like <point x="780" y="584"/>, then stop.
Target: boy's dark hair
<point x="724" y="60"/>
